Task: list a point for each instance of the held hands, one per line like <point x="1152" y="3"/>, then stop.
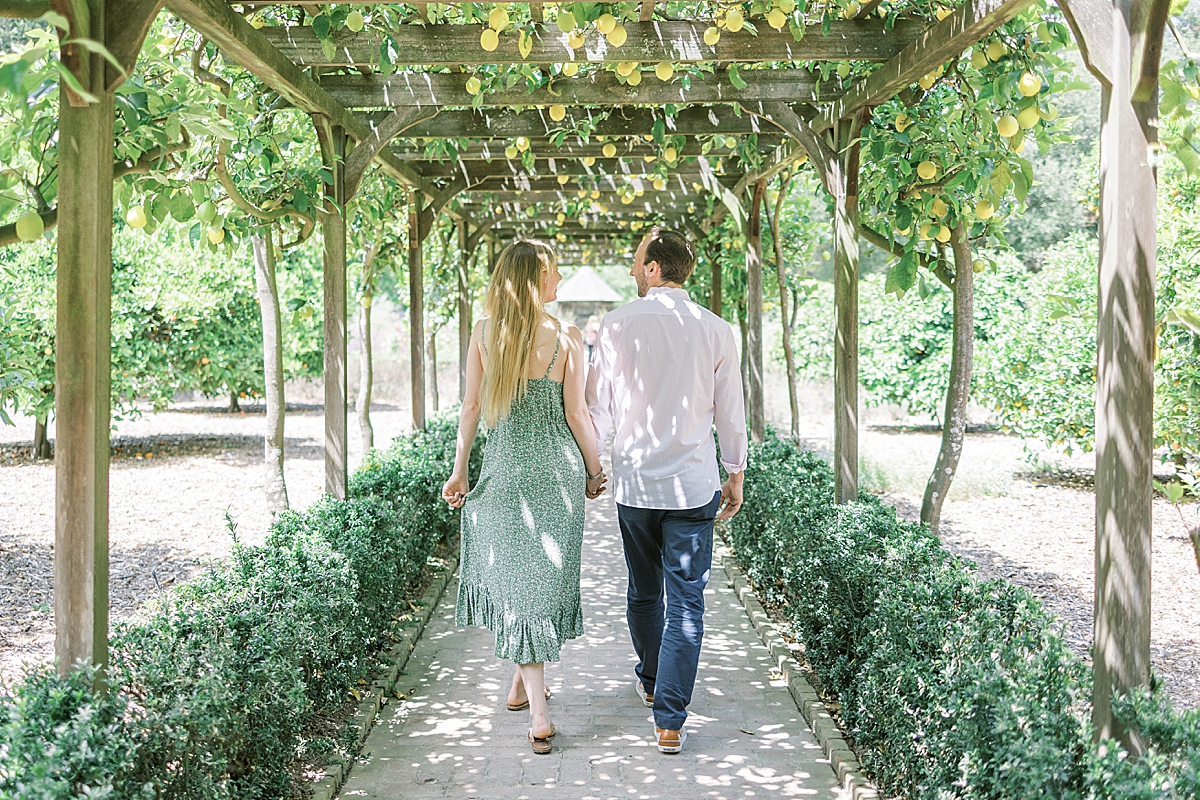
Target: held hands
<point x="731" y="496"/>
<point x="595" y="486"/>
<point x="455" y="490"/>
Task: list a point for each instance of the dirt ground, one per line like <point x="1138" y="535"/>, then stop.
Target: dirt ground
<point x="178" y="478"/>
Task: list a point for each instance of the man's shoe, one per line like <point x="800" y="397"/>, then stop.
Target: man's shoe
<point x="670" y="742"/>
<point x="647" y="697"/>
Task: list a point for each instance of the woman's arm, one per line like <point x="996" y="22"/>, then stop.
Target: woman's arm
<point x="455" y="490"/>
<point x="579" y="419"/>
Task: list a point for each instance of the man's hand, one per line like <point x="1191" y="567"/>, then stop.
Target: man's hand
<point x="731" y="496"/>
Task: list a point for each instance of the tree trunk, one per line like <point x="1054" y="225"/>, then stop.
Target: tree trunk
<point x="432" y="366"/>
<point x="233" y="402"/>
<point x="41" y="443"/>
<point x="741" y="317"/>
<point x="416" y="312"/>
<point x="272" y="330"/>
<point x="366" y="377"/>
<point x="785" y="317"/>
<point x="714" y="289"/>
<point x="754" y="308"/>
<point x="962" y="355"/>
<point x="465" y="260"/>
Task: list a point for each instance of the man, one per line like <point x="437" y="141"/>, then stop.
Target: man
<point x="663" y="371"/>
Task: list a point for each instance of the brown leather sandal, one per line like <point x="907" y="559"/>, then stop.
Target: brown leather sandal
<point x="541" y="744"/>
<point x="525" y="705"/>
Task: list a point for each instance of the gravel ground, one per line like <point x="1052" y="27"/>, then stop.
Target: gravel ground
<point x="176" y="474"/>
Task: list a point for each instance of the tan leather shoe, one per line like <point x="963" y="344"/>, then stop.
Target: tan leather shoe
<point x="647" y="697"/>
<point x="670" y="742"/>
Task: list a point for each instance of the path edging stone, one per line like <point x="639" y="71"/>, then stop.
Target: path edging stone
<point x="841" y="757"/>
<point x="336" y="771"/>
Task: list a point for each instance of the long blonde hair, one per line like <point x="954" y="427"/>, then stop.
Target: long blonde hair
<point x="514" y="307"/>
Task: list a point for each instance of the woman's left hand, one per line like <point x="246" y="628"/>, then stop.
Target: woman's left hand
<point x="595" y="486"/>
<point x="455" y="491"/>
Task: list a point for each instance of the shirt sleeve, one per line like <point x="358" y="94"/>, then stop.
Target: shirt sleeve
<point x="599" y="387"/>
<point x="729" y="412"/>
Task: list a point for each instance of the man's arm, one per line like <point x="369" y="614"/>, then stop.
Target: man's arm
<point x="729" y="415"/>
<point x="599" y="388"/>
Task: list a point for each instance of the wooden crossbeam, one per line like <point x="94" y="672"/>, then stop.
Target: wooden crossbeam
<point x="537" y="123"/>
<point x="947" y="39"/>
<point x="252" y="50"/>
<point x="504" y="168"/>
<point x="603" y="183"/>
<point x="571" y="149"/>
<point x="449" y="90"/>
<point x="650" y="42"/>
<point x="558" y="197"/>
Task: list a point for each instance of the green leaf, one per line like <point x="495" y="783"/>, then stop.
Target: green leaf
<point x="1185" y="317"/>
<point x="321" y="26"/>
<point x="737" y="80"/>
<point x="902" y="275"/>
<point x="328" y="48"/>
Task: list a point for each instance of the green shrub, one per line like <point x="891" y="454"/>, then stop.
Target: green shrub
<point x="1171" y="766"/>
<point x="952" y="687"/>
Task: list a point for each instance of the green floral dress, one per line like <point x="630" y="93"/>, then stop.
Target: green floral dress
<point x="522" y="530"/>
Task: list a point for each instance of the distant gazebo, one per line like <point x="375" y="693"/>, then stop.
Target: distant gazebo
<point x="583" y="294"/>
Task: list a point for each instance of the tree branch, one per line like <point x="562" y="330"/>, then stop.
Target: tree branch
<point x="936" y="266"/>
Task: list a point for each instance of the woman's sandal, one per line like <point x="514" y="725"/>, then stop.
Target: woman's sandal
<point x="541" y="744"/>
<point x="525" y="705"/>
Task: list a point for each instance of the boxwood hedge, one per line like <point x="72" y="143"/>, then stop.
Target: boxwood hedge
<point x="210" y="694"/>
<point x="951" y="686"/>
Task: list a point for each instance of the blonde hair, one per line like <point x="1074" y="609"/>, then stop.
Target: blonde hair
<point x="514" y="308"/>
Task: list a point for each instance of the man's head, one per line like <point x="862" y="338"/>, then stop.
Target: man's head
<point x="664" y="258"/>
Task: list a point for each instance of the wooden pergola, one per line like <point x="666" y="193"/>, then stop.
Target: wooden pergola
<point x="363" y="117"/>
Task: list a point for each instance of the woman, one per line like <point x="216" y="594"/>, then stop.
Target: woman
<point x="522" y="525"/>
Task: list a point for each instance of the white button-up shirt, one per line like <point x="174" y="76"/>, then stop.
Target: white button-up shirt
<point x="664" y="369"/>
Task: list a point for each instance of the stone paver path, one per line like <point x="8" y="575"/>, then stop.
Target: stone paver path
<point x="453" y="737"/>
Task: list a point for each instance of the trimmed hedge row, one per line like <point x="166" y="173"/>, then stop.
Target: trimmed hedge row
<point x="210" y="697"/>
<point x="952" y="686"/>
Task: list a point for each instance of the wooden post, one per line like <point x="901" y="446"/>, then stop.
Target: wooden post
<point x="845" y="294"/>
<point x="714" y="289"/>
<point x="754" y="304"/>
<point x="465" y="323"/>
<point x="333" y="229"/>
<point x="416" y="311"/>
<point x="82" y="364"/>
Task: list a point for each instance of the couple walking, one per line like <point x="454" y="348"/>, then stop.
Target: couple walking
<point x="663" y="371"/>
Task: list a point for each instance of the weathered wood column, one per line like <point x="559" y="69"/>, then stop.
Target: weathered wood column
<point x="82" y="360"/>
<point x="465" y="322"/>
<point x="1122" y="44"/>
<point x="845" y="298"/>
<point x="333" y="232"/>
<point x="416" y="309"/>
<point x="754" y="309"/>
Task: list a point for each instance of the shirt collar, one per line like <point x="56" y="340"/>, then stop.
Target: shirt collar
<point x="670" y="291"/>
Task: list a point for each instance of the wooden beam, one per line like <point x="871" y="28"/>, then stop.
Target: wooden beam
<point x="378" y="137"/>
<point x="680" y="184"/>
<point x="333" y="232"/>
<point x="247" y="46"/>
<point x="126" y="26"/>
<point x="505" y="168"/>
<point x="448" y="90"/>
<point x="572" y="148"/>
<point x="82" y="367"/>
<point x="537" y="123"/>
<point x="23" y="9"/>
<point x="647" y="201"/>
<point x="947" y="39"/>
<point x="647" y="42"/>
<point x="646" y="11"/>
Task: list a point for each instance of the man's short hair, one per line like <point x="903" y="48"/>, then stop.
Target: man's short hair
<point x="671" y="250"/>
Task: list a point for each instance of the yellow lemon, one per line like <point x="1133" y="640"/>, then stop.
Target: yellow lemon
<point x="626" y="68"/>
<point x="635" y="78"/>
<point x="1006" y="125"/>
<point x="562" y="179"/>
<point x="1043" y="33"/>
<point x="984" y="209"/>
<point x="927" y="81"/>
<point x="594" y="194"/>
<point x="30" y="226"/>
<point x="943" y="234"/>
<point x="558" y="112"/>
<point x="843" y="69"/>
<point x="670" y="154"/>
<point x="664" y="71"/>
<point x="566" y="21"/>
<point x="474" y="85"/>
<point x="609" y="150"/>
<point x="979" y="59"/>
<point x="649" y="158"/>
<point x="560" y="218"/>
<point x="1017" y="144"/>
<point x="1028" y="117"/>
<point x="570" y="69"/>
<point x="996" y="51"/>
<point x="1029" y="83"/>
<point x="589" y="161"/>
<point x="776" y="19"/>
<point x="206" y="212"/>
<point x="216" y="235"/>
<point x="489" y="40"/>
<point x="617" y="36"/>
<point x="576" y="40"/>
<point x="787" y="6"/>
<point x="734" y="21"/>
<point x="522" y="143"/>
<point x="924" y="231"/>
<point x="926" y="170"/>
<point x="660" y="184"/>
<point x="712" y="35"/>
<point x="902" y="123"/>
<point x="605" y="23"/>
<point x="255" y="22"/>
<point x="978" y="265"/>
<point x="136" y="217"/>
<point x="497" y="19"/>
<point x="942" y="13"/>
<point x="355" y="21"/>
<point x="511" y="151"/>
<point x="939" y="207"/>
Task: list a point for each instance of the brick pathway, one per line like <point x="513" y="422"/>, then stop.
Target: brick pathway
<point x="453" y="738"/>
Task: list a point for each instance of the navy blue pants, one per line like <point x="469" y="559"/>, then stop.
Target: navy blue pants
<point x="668" y="553"/>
